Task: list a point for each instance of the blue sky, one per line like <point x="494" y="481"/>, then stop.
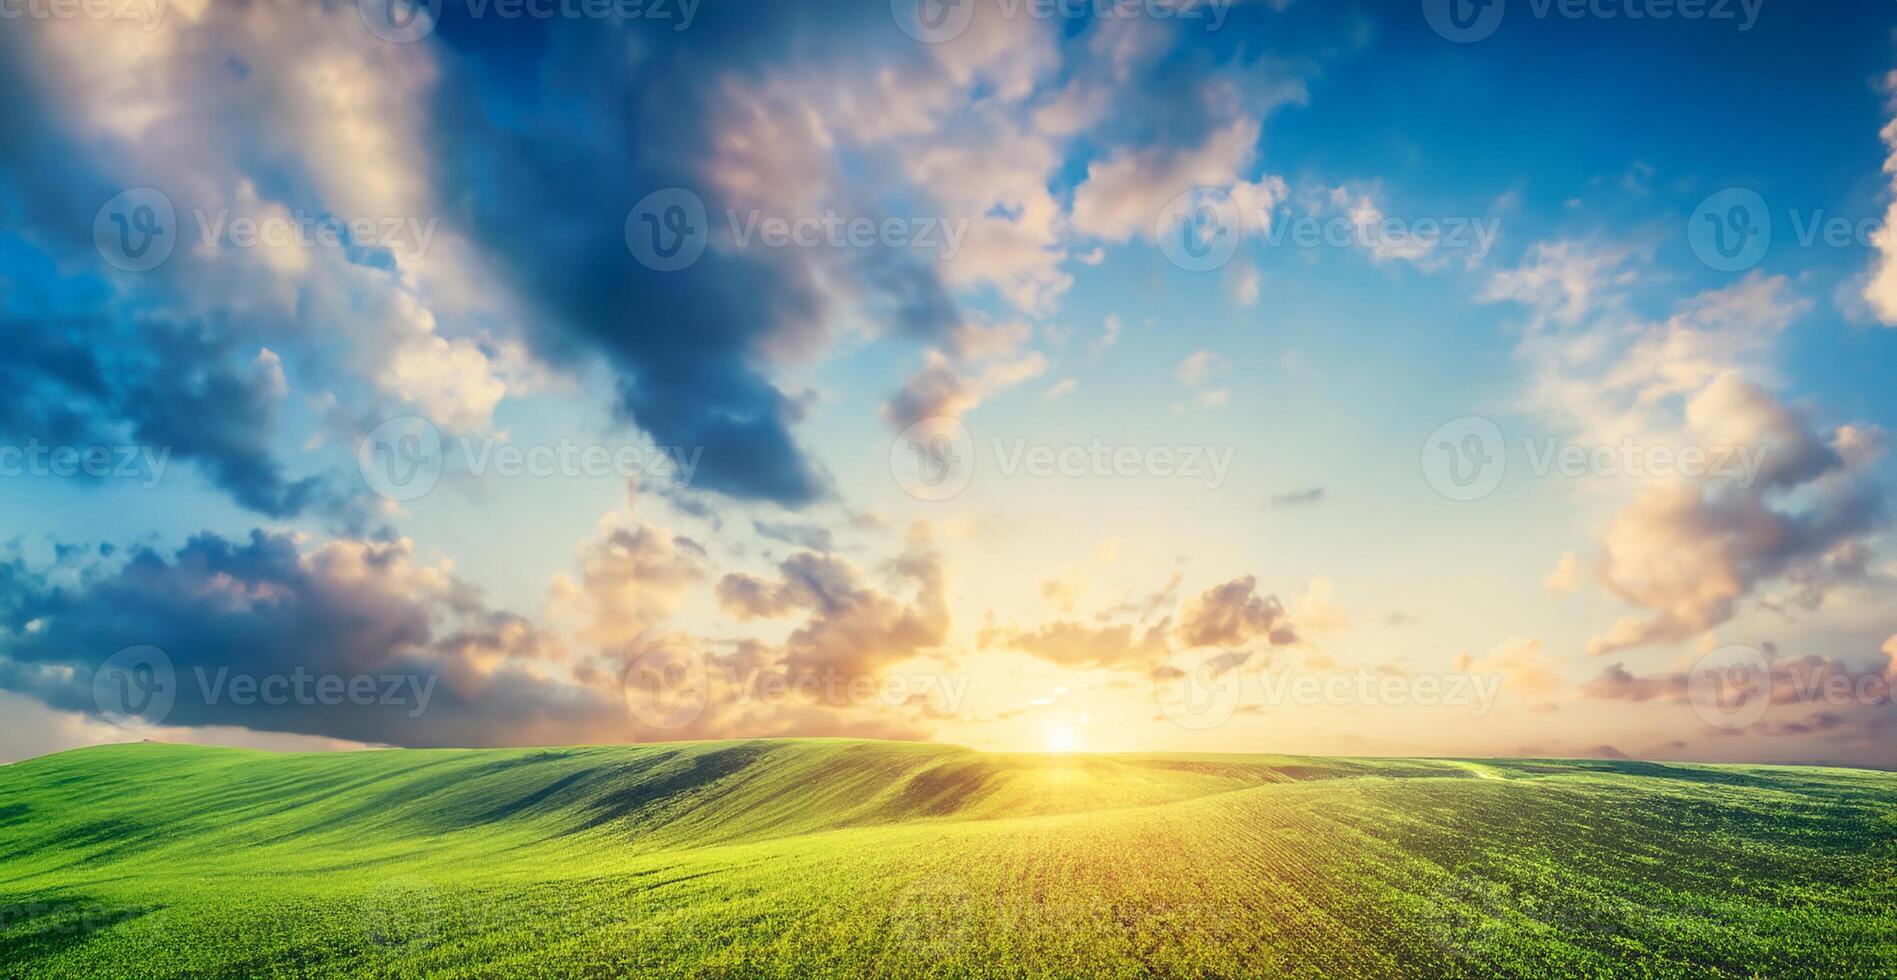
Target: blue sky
<point x="503" y="171"/>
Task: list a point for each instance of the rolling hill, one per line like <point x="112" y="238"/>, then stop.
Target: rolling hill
<point x="838" y="857"/>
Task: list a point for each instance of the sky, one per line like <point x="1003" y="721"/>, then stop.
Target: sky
<point x="1326" y="378"/>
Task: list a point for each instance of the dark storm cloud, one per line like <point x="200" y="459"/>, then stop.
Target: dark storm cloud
<point x="179" y="388"/>
<point x="622" y="111"/>
<point x="260" y="608"/>
<point x="184" y="384"/>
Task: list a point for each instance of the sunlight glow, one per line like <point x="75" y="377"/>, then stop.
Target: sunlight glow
<point x="1061" y="738"/>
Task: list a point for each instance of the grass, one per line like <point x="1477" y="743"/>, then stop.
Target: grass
<point x="837" y="857"/>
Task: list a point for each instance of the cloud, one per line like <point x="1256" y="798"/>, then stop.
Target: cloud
<point x="1234" y="614"/>
<point x="1525" y="669"/>
<point x="1063" y="590"/>
<point x="1298" y="498"/>
<point x="1689" y="552"/>
<point x="1109" y="335"/>
<point x="1245" y="286"/>
<point x="1688" y="547"/>
<point x="1123" y="196"/>
<point x="1617" y="683"/>
<point x="1880" y="291"/>
<point x="1358" y="204"/>
<point x="849" y="626"/>
<point x="469" y="674"/>
<point x="814" y="537"/>
<point x="806" y="581"/>
<point x="184" y="388"/>
<point x="944" y="390"/>
<point x="1077" y="645"/>
<point x="1565" y="281"/>
<point x="1850" y="708"/>
<point x="1565" y="578"/>
<point x="1199" y="366"/>
<point x="264" y="607"/>
<point x="631" y="579"/>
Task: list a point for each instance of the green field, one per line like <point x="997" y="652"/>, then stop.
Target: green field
<point x="832" y="857"/>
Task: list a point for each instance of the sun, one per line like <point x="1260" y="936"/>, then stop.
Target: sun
<point x="1062" y="738"/>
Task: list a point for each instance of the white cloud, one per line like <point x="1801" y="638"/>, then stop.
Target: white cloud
<point x="1565" y="579"/>
<point x="1880" y="292"/>
<point x="1245" y="287"/>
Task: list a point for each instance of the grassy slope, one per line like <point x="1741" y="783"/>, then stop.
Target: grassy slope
<point x="831" y="856"/>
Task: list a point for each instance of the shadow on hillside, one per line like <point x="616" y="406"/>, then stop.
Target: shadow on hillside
<point x="945" y="790"/>
<point x="37" y="926"/>
<point x="637" y="803"/>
